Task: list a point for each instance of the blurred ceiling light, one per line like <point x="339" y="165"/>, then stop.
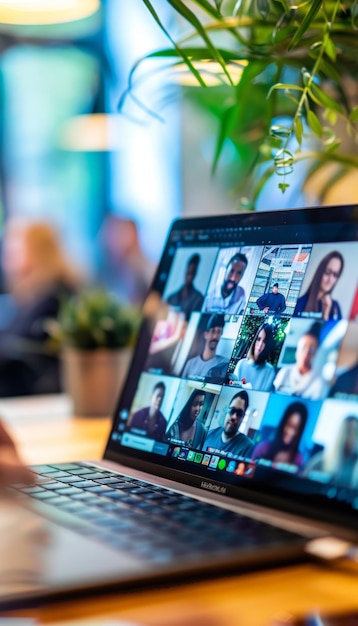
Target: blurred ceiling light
<point x="92" y="133"/>
<point x="36" y="12"/>
<point x="211" y="71"/>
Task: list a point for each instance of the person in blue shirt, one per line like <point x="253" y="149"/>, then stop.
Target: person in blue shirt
<point x="227" y="438"/>
<point x="273" y="302"/>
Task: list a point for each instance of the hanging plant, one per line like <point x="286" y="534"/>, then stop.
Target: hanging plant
<point x="286" y="82"/>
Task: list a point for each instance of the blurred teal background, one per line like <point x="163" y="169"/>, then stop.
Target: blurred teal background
<point x="61" y="168"/>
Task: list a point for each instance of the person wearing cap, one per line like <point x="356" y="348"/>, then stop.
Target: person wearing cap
<point x="208" y="364"/>
<point x="301" y="378"/>
<point x="273" y="302"/>
<point x="229" y="297"/>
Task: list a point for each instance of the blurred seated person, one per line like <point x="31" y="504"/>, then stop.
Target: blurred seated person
<point x="38" y="277"/>
<point x="339" y="459"/>
<point x="125" y="269"/>
<point x="188" y="298"/>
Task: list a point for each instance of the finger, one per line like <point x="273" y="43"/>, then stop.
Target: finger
<point x="5" y="438"/>
<point x="12" y="469"/>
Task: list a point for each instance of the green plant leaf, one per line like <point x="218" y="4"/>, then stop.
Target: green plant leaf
<point x="314" y="123"/>
<point x="183" y="10"/>
<point x="298" y="130"/>
<point x="330" y="49"/>
<point x="185" y="58"/>
<point x="321" y="98"/>
<point x="225" y="126"/>
<point x="330" y="70"/>
<point x="308" y="18"/>
<point x="263" y="7"/>
<point x="285" y="19"/>
<point x="353" y="116"/>
<point x="283" y="186"/>
<point x="280" y="131"/>
<point x="208" y="7"/>
<point x="284" y="86"/>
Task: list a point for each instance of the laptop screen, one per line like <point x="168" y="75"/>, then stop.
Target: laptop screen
<point x="246" y="369"/>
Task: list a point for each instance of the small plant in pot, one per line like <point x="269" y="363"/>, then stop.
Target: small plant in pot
<point x="94" y="334"/>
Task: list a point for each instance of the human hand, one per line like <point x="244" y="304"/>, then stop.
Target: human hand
<point x="326" y="302"/>
<point x="12" y="469"/>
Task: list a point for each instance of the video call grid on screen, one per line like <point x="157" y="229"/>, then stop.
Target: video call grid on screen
<point x="252" y="347"/>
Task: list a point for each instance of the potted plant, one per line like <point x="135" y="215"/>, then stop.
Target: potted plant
<point x="94" y="334"/>
<point x="286" y="89"/>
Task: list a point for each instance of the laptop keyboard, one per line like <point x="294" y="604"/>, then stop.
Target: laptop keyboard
<point x="146" y="520"/>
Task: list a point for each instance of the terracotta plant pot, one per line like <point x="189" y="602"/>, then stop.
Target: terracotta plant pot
<point x="94" y="378"/>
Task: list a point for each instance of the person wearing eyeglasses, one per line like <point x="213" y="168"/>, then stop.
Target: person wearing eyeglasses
<point x="318" y="297"/>
<point x="227" y="438"/>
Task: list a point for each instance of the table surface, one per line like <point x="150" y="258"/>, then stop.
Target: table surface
<point x="46" y="431"/>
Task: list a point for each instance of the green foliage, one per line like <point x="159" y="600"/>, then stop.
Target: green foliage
<point x="94" y="319"/>
<point x="295" y="57"/>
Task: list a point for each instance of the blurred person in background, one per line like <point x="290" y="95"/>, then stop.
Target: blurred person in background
<point x="37" y="276"/>
<point x="125" y="269"/>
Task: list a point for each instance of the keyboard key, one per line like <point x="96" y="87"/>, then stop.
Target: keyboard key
<point x="147" y="520"/>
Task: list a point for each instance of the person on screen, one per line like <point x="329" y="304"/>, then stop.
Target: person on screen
<point x="188" y="298"/>
<point x="273" y="302"/>
<point x="229" y="297"/>
<point x="254" y="370"/>
<point x="339" y="459"/>
<point x="227" y="438"/>
<point x="301" y="378"/>
<point x="346" y="383"/>
<point x="283" y="448"/>
<point x="150" y="421"/>
<point x="187" y="427"/>
<point x="318" y="297"/>
<point x="208" y="364"/>
<point x="167" y="336"/>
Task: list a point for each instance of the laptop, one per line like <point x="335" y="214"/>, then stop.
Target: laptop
<point x="234" y="442"/>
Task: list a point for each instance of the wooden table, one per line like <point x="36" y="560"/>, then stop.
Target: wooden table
<point x="46" y="431"/>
